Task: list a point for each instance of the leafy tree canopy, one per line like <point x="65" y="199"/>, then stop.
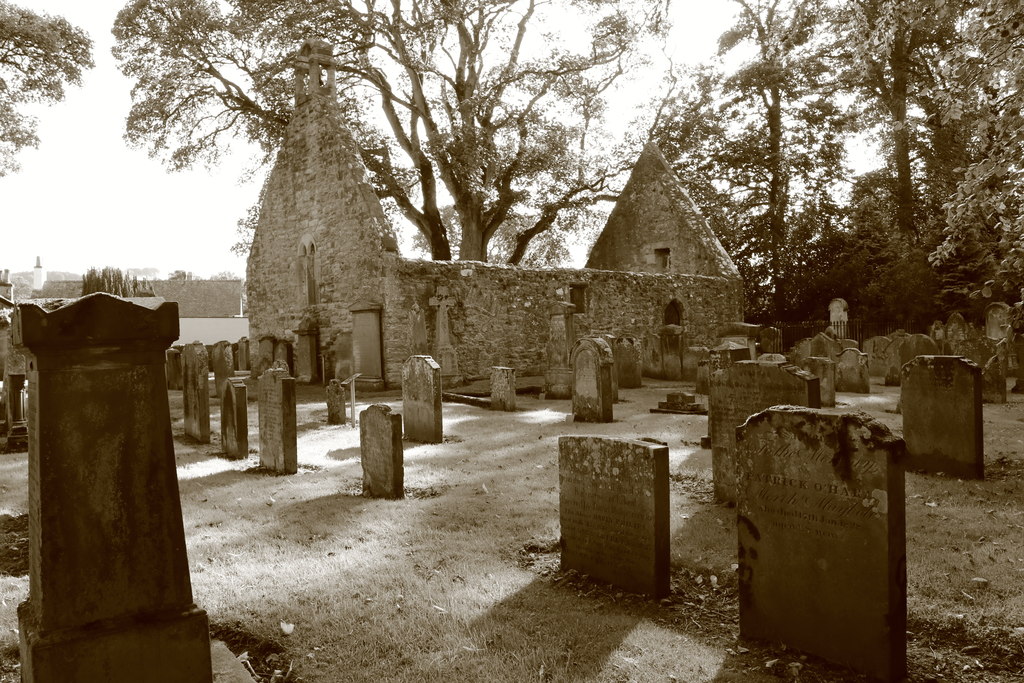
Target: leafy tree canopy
<point x="114" y="281"/>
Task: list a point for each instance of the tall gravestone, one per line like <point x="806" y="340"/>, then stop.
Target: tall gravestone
<point x="173" y="368"/>
<point x="284" y="353"/>
<point x="942" y="424"/>
<point x="196" y="392"/>
<point x="306" y="366"/>
<point x="418" y="341"/>
<point x="937" y="331"/>
<point x="628" y="362"/>
<point x="222" y="364"/>
<point x="825" y="370"/>
<point x="613" y="510"/>
<point x="993" y="389"/>
<point x="421" y="400"/>
<point x="672" y="352"/>
<point x="737" y="392"/>
<point x="278" y="436"/>
<point x="852" y="372"/>
<point x="380" y="452"/>
<point x="592" y="365"/>
<point x="335" y="402"/>
<point x="110" y="598"/>
<point x="610" y="340"/>
<point x="825" y="346"/>
<point x="234" y="419"/>
<point x="503" y="389"/>
<point x="894" y="360"/>
<point x="242" y="359"/>
<point x="561" y="337"/>
<point x="653" y="366"/>
<point x="875" y="348"/>
<point x="822" y="550"/>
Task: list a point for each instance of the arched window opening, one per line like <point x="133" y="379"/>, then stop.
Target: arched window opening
<point x="673" y="313"/>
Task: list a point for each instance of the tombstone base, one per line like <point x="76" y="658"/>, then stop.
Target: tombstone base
<point x="171" y="649"/>
<point x="17" y="438"/>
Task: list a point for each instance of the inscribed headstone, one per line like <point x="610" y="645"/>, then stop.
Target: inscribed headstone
<point x="195" y="392"/>
<point x="503" y="389"/>
<point x="278" y="437"/>
<point x="380" y="452"/>
<point x="306" y="363"/>
<point x="937" y="332"/>
<point x="613" y="507"/>
<point x="957" y="332"/>
<point x="264" y="355"/>
<point x="610" y="340"/>
<point x="824" y="346"/>
<point x="592" y="364"/>
<point x="418" y="331"/>
<point x="894" y="360"/>
<point x="109" y="595"/>
<point x="942" y="425"/>
<point x="852" y="372"/>
<point x="234" y="419"/>
<point x="740" y="390"/>
<point x="421" y="399"/>
<point x="822" y="550"/>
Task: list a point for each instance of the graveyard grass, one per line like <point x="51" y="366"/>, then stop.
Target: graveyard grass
<point x="460" y="581"/>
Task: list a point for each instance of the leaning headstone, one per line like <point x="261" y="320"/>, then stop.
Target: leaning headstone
<point x="222" y="365"/>
<point x="335" y="402"/>
<point x="234" y="419"/>
<point x="503" y="389"/>
<point x="740" y="390"/>
<point x="380" y="452"/>
<point x="875" y="348"/>
<point x="997" y="320"/>
<point x="822" y="537"/>
<point x="941" y="404"/>
<point x="613" y="510"/>
<point x="852" y="372"/>
<point x="561" y="336"/>
<point x="629" y="362"/>
<point x="172" y="358"/>
<point x="109" y="597"/>
<point x="196" y="392"/>
<point x="592" y="365"/>
<point x="421" y="399"/>
<point x="825" y="370"/>
<point x="278" y="437"/>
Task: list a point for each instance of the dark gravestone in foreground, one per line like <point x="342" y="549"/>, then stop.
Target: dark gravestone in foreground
<point x="613" y="511"/>
<point x="942" y="425"/>
<point x="380" y="452"/>
<point x="234" y="419"/>
<point x="195" y="391"/>
<point x="592" y="391"/>
<point x="278" y="438"/>
<point x="820" y="517"/>
<point x="421" y="399"/>
<point x="503" y="389"/>
<point x="737" y="392"/>
<point x="110" y="597"/>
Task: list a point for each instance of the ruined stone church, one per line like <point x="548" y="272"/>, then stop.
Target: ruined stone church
<point x="324" y="268"/>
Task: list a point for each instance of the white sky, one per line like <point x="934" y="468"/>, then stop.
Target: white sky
<point x="84" y="198"/>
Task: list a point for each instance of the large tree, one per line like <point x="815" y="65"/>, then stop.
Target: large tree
<point x="39" y="55"/>
<point x="478" y="119"/>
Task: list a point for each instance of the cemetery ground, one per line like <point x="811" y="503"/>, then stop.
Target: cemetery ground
<point x="461" y="582"/>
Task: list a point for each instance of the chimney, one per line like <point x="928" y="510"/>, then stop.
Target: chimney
<point x="37" y="275"/>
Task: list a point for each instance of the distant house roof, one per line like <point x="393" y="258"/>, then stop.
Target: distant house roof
<point x="195" y="298"/>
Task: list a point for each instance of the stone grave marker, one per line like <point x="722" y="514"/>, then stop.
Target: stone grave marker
<point x="305" y="354"/>
<point x="613" y="509"/>
<point x="653" y="366"/>
<point x="740" y="390"/>
<point x="942" y="425"/>
<point x="703" y="382"/>
<point x="284" y="352"/>
<point x="993" y="388"/>
<point x="893" y="359"/>
<point x="957" y="332"/>
<point x="692" y="356"/>
<point x="875" y="348"/>
<point x="771" y="340"/>
<point x="561" y="336"/>
<point x="278" y="437"/>
<point x="822" y="552"/>
<point x="824" y="346"/>
<point x="335" y="402"/>
<point x="14" y="406"/>
<point x="915" y="345"/>
<point x="671" y="352"/>
<point x="825" y="370"/>
<point x="222" y="365"/>
<point x="593" y="365"/>
<point x="503" y="389"/>
<point x="852" y="372"/>
<point x="380" y="452"/>
<point x="264" y="355"/>
<point x="838" y="315"/>
<point x="421" y="399"/>
<point x="196" y="392"/>
<point x="242" y="359"/>
<point x="629" y="362"/>
<point x="109" y="596"/>
<point x="610" y="340"/>
<point x="800" y="352"/>
<point x="234" y="419"/>
<point x="997" y="320"/>
<point x="172" y="358"/>
<point x="937" y="331"/>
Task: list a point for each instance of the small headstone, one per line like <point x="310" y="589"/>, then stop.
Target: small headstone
<point x="335" y="402"/>
<point x="592" y="364"/>
<point x="109" y="594"/>
<point x="771" y="340"/>
<point x="940" y="400"/>
<point x="421" y="399"/>
<point x="503" y="389"/>
<point x="893" y="356"/>
<point x="825" y="370"/>
<point x="824" y="346"/>
<point x="278" y="437"/>
<point x="629" y="362"/>
<point x="561" y="336"/>
<point x="653" y="366"/>
<point x="852" y="372"/>
<point x="380" y="452"/>
<point x="284" y="352"/>
<point x="997" y="320"/>
<point x="222" y="365"/>
<point x="264" y="355"/>
<point x="915" y="345"/>
<point x="800" y="352"/>
<point x="740" y="390"/>
<point x="234" y="419"/>
<point x="875" y="348"/>
<point x="614" y="511"/>
<point x="822" y="551"/>
<point x="957" y="332"/>
<point x="173" y="368"/>
<point x="196" y="392"/>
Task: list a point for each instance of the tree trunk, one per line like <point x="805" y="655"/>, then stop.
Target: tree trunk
<point x="777" y="200"/>
<point x="901" y="141"/>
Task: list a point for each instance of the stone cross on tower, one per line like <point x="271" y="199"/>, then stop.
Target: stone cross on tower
<point x="314" y="70"/>
<point x="445" y="353"/>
